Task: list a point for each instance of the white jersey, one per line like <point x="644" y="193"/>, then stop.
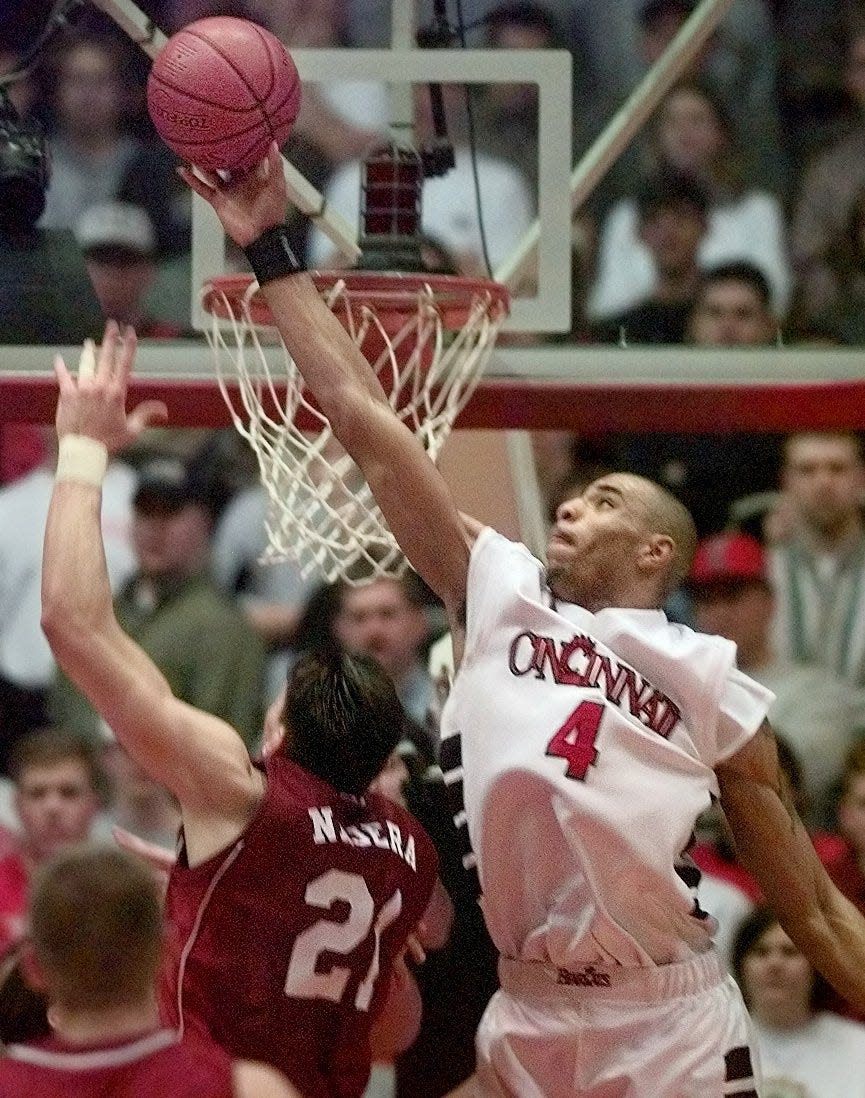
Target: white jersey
<point x="582" y="775"/>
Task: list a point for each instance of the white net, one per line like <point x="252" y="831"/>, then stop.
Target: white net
<point x="321" y="511"/>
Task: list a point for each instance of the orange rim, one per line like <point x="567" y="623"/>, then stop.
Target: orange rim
<point x="391" y="296"/>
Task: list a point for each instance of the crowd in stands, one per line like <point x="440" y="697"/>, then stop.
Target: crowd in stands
<point x="736" y="219"/>
<point x="758" y="148"/>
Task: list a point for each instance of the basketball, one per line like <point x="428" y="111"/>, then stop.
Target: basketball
<point x="220" y="91"/>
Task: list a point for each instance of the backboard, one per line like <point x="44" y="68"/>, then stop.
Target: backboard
<point x="548" y="309"/>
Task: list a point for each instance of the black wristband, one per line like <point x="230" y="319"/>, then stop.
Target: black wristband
<point x="271" y="255"/>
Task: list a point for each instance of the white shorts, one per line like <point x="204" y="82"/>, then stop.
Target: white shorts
<point x="671" y="1031"/>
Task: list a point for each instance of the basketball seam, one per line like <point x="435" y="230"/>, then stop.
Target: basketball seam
<point x="256" y="106"/>
<point x="228" y="110"/>
<point x="266" y="43"/>
<point x="228" y="61"/>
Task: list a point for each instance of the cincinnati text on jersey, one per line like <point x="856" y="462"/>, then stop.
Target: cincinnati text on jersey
<point x="384" y="834"/>
<point x="578" y="662"/>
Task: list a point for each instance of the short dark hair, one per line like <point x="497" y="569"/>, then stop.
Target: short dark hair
<point x="527" y="16"/>
<point x="738" y="270"/>
<point x="669" y="189"/>
<point x="750" y="931"/>
<point x="343" y="717"/>
<point x="50" y="746"/>
<point x="96" y="927"/>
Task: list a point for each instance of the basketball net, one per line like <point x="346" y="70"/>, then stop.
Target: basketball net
<point x="428" y="339"/>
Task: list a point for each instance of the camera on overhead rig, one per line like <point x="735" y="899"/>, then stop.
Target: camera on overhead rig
<point x="24" y="168"/>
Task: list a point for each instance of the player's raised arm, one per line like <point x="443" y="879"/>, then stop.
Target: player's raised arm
<point x="773" y="844"/>
<point x="408" y="488"/>
<point x="198" y="757"/>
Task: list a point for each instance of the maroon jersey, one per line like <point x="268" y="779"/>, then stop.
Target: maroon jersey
<point x="154" y="1064"/>
<point x="278" y="945"/>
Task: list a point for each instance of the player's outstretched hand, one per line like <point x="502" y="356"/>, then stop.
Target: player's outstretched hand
<point x="247" y="204"/>
<point x="94" y="402"/>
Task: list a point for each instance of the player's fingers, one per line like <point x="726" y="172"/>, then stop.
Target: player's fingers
<point x="263" y="170"/>
<point x="198" y="185"/>
<point x="274" y="158"/>
<point x="64" y="379"/>
<point x="146" y="415"/>
<point x="107" y="351"/>
<point x="87" y="361"/>
<point x="126" y="354"/>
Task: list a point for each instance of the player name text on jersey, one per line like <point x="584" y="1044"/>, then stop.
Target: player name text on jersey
<point x="384" y="834"/>
<point x="578" y="662"/>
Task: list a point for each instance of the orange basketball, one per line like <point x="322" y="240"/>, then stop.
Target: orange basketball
<point x="221" y="90"/>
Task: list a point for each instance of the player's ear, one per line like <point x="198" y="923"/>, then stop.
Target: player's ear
<point x="273" y="738"/>
<point x="657" y="552"/>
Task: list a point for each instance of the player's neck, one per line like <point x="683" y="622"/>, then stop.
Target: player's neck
<point x="82" y="1027"/>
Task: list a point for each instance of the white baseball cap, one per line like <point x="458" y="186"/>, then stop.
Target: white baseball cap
<point x="116" y="226"/>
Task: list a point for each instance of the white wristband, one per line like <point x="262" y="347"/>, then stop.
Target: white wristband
<point x="83" y="459"/>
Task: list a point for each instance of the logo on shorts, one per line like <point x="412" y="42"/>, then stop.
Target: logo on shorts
<point x="586" y="977"/>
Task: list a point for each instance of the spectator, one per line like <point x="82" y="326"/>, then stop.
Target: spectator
<point x="119" y="247"/>
<point x="26" y="663"/>
<point x="818" y="715"/>
<point x="714" y="851"/>
<point x="90" y="146"/>
<point x="56" y="783"/>
<point x="385" y="619"/>
<point x="733" y="308"/>
<point x="709" y="471"/>
<point x="842" y="316"/>
<point x="804" y="1049"/>
<point x="830" y="189"/>
<point x="691" y="135"/>
<point x="96" y="941"/>
<point x="672" y="215"/>
<point x="818" y="563"/>
<point x="196" y="636"/>
<point x="139" y="805"/>
<point x="739" y="65"/>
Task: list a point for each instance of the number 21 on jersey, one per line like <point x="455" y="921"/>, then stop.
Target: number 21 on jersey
<point x="575" y="740"/>
<point x="302" y="981"/>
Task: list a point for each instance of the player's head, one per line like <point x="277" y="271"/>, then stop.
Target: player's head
<point x="96" y="929"/>
<point x="341" y="718"/>
<point x="625" y="541"/>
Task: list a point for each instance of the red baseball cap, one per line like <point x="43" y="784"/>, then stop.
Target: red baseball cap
<point x="728" y="558"/>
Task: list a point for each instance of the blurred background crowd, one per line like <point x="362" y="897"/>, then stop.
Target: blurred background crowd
<point x="736" y="219"/>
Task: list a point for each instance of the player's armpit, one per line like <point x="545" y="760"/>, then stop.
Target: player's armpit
<point x="774" y="846"/>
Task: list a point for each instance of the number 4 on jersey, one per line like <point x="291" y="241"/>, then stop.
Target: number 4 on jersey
<point x="575" y="740"/>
